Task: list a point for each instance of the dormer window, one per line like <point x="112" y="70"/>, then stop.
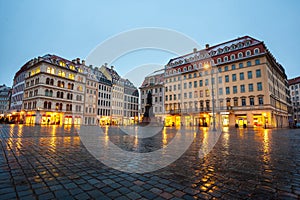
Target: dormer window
<point x="256" y="51"/>
<point x="232" y="47"/>
<point x="240" y="55"/>
<point x="248" y="43"/>
<point x="248" y="53"/>
<point x="62" y="64"/>
<point x="240" y="45"/>
<point x="219" y="51"/>
<point x="72" y="67"/>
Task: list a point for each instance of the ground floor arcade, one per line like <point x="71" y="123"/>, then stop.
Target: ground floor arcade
<point x="263" y="118"/>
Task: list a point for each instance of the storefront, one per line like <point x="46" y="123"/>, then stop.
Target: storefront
<point x="241" y="120"/>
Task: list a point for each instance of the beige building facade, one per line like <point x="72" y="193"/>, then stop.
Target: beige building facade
<point x="236" y="83"/>
<point x="54" y="91"/>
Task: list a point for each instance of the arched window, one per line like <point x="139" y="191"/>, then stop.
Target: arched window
<point x="225" y="58"/>
<point x="219" y="60"/>
<point x="240" y="55"/>
<point x="62" y="84"/>
<point x="58" y="94"/>
<point x="232" y="56"/>
<point x="248" y="53"/>
<point x="45" y="104"/>
<point x="62" y="95"/>
<point x="48" y="81"/>
<point x="57" y="106"/>
<point x="256" y="51"/>
<point x="52" y="82"/>
<point x="46" y="92"/>
<point x="58" y="83"/>
<point x="60" y="106"/>
<point x="50" y="93"/>
<point x="49" y="105"/>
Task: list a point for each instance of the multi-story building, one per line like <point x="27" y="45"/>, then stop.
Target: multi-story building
<point x="104" y="98"/>
<point x="294" y="85"/>
<point x="5" y="94"/>
<point x="54" y="91"/>
<point x="238" y="82"/>
<point x="91" y="97"/>
<point x="17" y="94"/>
<point x="131" y="103"/>
<point x="117" y="94"/>
<point x="155" y="84"/>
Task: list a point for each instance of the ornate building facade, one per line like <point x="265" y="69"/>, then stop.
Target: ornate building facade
<point x="235" y="83"/>
<point x="155" y="84"/>
<point x="54" y="91"/>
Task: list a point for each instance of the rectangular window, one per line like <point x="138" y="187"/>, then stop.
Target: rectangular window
<point x="258" y="73"/>
<point x="207" y="93"/>
<point x="184" y="85"/>
<point x="174" y="87"/>
<point x="243" y="102"/>
<point x="166" y="97"/>
<point x="190" y="84"/>
<point x="206" y="82"/>
<point x="220" y="91"/>
<point x="234" y="88"/>
<point x="249" y="74"/>
<point x="233" y="77"/>
<point x="220" y="79"/>
<point x="190" y="95"/>
<point x="226" y="78"/>
<point x="201" y="93"/>
<point x="242" y="88"/>
<point x="201" y="83"/>
<point x="251" y="101"/>
<point x="170" y="97"/>
<point x="241" y="65"/>
<point x="233" y="67"/>
<point x="257" y="61"/>
<point x="235" y="102"/>
<point x="195" y="84"/>
<point x="227" y="90"/>
<point x="185" y="95"/>
<point x="242" y="76"/>
<point x="250" y="87"/>
<point x="260" y="101"/>
<point x="226" y="68"/>
<point x="259" y="86"/>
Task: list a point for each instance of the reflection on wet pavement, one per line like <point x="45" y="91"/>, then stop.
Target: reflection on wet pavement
<point x="48" y="162"/>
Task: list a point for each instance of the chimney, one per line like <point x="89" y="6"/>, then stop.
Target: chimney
<point x="83" y="62"/>
<point x="207" y="46"/>
<point x="78" y="60"/>
<point x="195" y="50"/>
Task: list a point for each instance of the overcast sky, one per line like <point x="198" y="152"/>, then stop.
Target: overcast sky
<point x="73" y="29"/>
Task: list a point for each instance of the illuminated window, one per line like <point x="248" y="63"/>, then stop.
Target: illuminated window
<point x="71" y="76"/>
<point x="61" y="73"/>
<point x="50" y="70"/>
<point x="61" y="63"/>
<point x="72" y="67"/>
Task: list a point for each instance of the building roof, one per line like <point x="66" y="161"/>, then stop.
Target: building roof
<point x="208" y="52"/>
<point x="158" y="79"/>
<point x="294" y="80"/>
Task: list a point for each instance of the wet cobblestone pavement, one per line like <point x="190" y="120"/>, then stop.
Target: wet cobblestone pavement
<point x="50" y="162"/>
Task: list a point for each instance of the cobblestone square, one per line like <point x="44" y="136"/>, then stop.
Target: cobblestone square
<point x="50" y="162"/>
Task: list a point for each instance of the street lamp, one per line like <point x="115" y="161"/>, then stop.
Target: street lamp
<point x="213" y="96"/>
